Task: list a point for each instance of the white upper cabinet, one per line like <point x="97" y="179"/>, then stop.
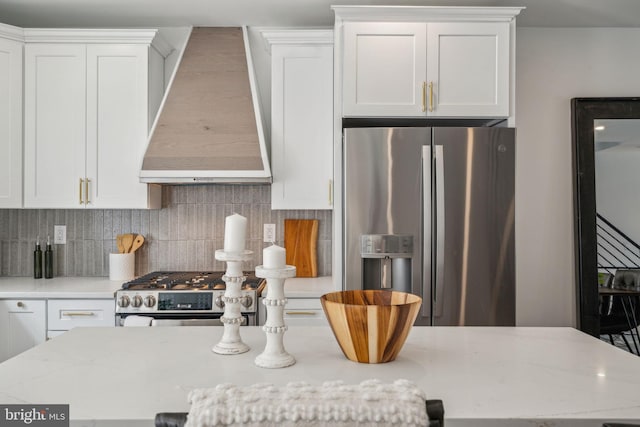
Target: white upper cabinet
<point x="11" y="46"/>
<point x="87" y="118"/>
<point x="55" y="125"/>
<point x="467" y="69"/>
<point x="301" y="118"/>
<point x="118" y="122"/>
<point x="384" y="68"/>
<point x="426" y="61"/>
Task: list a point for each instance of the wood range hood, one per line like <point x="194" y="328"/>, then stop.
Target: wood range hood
<point x="209" y="129"/>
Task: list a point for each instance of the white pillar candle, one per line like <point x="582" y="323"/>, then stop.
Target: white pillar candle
<point x="235" y="230"/>
<point x="274" y="256"/>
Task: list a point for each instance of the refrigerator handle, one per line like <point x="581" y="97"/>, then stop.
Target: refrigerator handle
<point x="426" y="226"/>
<point x="440" y="218"/>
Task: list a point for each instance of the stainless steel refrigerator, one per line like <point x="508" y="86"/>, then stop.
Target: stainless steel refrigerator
<point x="431" y="211"/>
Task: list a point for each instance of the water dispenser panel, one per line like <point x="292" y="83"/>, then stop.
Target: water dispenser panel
<point x="386" y="245"/>
<point x="386" y="261"/>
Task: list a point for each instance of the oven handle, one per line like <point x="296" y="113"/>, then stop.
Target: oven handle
<point x="186" y="322"/>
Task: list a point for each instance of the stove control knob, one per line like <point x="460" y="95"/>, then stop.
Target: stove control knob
<point x="123" y="301"/>
<point x="219" y="302"/>
<point x="136" y="301"/>
<point x="149" y="301"/>
<point x="247" y="301"/>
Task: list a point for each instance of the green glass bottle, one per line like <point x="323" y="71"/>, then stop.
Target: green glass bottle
<point x="37" y="261"/>
<point x="48" y="260"/>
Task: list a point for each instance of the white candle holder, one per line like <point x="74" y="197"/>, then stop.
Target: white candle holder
<point x="274" y="354"/>
<point x="231" y="342"/>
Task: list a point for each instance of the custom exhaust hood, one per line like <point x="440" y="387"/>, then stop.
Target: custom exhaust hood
<point x="209" y="129"/>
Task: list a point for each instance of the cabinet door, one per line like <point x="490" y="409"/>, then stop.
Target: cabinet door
<point x="302" y="127"/>
<point x="54" y="125"/>
<point x="468" y="66"/>
<point x="384" y="69"/>
<point x="117" y="123"/>
<point x="22" y="326"/>
<point x="10" y="124"/>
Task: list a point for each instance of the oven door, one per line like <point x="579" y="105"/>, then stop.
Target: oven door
<point x="179" y="319"/>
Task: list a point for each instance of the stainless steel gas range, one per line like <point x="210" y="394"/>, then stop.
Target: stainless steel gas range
<point x="183" y="298"/>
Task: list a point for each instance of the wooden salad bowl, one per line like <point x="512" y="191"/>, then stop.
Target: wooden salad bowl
<point x="371" y="326"/>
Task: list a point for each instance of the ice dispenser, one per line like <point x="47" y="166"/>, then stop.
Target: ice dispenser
<point x="386" y="261"/>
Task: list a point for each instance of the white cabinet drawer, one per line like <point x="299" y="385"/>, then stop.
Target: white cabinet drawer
<point x="67" y="314"/>
<point x="304" y="312"/>
<point x="299" y="312"/>
<point x="293" y="317"/>
<point x="303" y="304"/>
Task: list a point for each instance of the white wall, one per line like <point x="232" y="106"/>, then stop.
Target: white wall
<point x="553" y="66"/>
<point x="177" y="37"/>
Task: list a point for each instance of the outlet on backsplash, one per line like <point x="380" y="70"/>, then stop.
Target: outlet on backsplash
<point x="60" y="234"/>
<point x="269" y="233"/>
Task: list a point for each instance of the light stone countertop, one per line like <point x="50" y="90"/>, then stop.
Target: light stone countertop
<point x="102" y="287"/>
<point x="485" y="376"/>
<point x="58" y="287"/>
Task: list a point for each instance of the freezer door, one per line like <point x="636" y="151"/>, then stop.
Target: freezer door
<point x="383" y="183"/>
<point x="474" y="260"/>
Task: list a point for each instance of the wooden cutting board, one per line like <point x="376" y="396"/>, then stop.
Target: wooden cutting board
<point x="301" y="243"/>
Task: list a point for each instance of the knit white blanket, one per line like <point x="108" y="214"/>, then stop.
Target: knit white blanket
<point x="370" y="403"/>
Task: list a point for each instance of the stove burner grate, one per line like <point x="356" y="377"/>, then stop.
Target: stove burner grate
<point x="186" y="280"/>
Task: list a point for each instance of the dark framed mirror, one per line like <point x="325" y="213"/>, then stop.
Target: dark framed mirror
<point x="592" y="119"/>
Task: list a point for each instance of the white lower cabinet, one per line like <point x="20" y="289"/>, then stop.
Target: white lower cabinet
<point x="304" y="312"/>
<point x="23" y="324"/>
<point x="299" y="312"/>
<point x="66" y="314"/>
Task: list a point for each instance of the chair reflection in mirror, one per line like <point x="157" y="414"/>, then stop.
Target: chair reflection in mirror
<point x="620" y="307"/>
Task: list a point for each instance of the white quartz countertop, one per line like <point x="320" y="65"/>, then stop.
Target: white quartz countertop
<point x="58" y="287"/>
<point x="485" y="376"/>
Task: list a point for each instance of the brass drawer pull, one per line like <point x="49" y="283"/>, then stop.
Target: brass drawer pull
<point x="78" y="313"/>
<point x="430" y="96"/>
<point x="301" y="313"/>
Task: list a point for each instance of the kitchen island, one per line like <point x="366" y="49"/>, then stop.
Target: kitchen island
<point x="485" y="376"/>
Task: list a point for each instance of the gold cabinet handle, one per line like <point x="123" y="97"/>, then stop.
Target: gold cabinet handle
<point x="301" y="313"/>
<point x="330" y="192"/>
<point x="78" y="313"/>
<point x="80" y="191"/>
<point x="430" y="96"/>
<point x="86" y="190"/>
<point x="20" y="304"/>
<point x="424" y="96"/>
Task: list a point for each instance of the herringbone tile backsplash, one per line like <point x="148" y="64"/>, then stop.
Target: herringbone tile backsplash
<point x="183" y="235"/>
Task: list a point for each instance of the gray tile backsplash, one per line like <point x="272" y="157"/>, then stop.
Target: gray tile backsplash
<point x="183" y="235"/>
